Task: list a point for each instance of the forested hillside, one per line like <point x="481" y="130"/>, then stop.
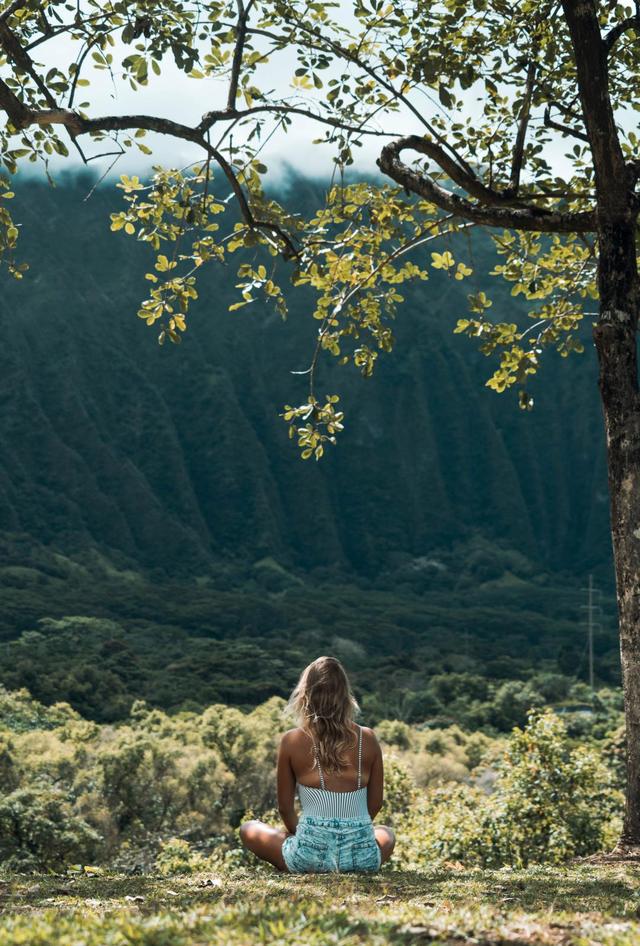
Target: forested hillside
<point x="156" y="487"/>
<point x="175" y="457"/>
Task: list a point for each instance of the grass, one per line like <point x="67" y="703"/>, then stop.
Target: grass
<point x="577" y="905"/>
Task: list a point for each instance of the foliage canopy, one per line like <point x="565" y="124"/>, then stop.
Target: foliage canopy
<point x="488" y="93"/>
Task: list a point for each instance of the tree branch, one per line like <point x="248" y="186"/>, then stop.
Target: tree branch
<point x="322" y="42"/>
<point x="11" y="9"/>
<point x="614" y="34"/>
<point x="511" y="217"/>
<point x="472" y="185"/>
<point x="19" y="114"/>
<point x="523" y="124"/>
<point x="23" y="61"/>
<point x="241" y="33"/>
<point x="590" y="55"/>
<point x="90" y="43"/>
<point x="563" y="129"/>
<point x="225" y="114"/>
<point x="452" y="169"/>
<point x="22" y="117"/>
<point x="84" y="26"/>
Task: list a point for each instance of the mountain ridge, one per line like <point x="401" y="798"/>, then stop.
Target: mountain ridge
<point x="173" y="458"/>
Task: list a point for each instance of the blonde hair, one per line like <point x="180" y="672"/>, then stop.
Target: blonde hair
<point x="324" y="706"/>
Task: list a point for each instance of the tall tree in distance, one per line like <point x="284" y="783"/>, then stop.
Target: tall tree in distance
<point x="467" y="102"/>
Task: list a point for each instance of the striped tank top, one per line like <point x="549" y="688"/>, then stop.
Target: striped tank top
<point x="323" y="803"/>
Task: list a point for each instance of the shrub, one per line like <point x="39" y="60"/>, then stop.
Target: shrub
<point x="511" y="704"/>
<point x="9" y="777"/>
<point x="151" y="781"/>
<point x="442" y="825"/>
<point x="39" y="831"/>
<point x="399" y="792"/>
<point x="19" y="712"/>
<point x="177" y="857"/>
<point x="552" y="801"/>
<point x="73" y="790"/>
<point x="394" y="733"/>
<point x="246" y="743"/>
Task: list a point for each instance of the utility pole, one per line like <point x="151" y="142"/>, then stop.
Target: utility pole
<point x="591" y="608"/>
<point x="590" y="631"/>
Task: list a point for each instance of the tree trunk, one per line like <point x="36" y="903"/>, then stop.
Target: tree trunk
<point x="615" y="340"/>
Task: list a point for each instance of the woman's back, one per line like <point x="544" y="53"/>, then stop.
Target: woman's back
<point x="335" y="768"/>
<point x="304" y="761"/>
<point x="352" y="792"/>
<point x="335" y="831"/>
<point x="323" y="802"/>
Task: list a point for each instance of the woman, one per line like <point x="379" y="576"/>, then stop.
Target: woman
<point x="336" y="767"/>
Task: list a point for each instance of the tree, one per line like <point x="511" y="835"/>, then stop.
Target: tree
<point x="541" y="72"/>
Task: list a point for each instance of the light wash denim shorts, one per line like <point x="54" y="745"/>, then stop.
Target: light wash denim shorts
<point x="322" y="845"/>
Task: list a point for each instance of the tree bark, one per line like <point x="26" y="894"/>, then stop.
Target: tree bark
<point x="615" y="340"/>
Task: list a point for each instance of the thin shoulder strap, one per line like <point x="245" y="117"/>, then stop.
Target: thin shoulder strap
<point x="359" y="756"/>
<point x="317" y="758"/>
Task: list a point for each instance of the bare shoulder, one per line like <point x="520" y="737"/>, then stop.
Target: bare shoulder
<point x="293" y="738"/>
<point x="369" y="738"/>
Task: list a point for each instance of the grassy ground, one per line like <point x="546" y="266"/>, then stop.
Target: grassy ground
<point x="573" y="906"/>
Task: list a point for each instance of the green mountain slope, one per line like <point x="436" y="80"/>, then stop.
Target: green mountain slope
<point x="154" y="494"/>
<point x="176" y="457"/>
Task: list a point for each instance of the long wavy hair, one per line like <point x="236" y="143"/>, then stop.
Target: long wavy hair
<point x="324" y="706"/>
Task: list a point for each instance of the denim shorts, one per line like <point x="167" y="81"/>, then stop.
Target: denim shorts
<point x="322" y="845"/>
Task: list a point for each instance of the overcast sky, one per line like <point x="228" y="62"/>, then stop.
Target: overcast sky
<point x="174" y="95"/>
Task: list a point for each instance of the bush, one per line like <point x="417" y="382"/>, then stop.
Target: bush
<point x="552" y="801"/>
<point x="442" y="825"/>
<point x="399" y="793"/>
<point x="9" y="777"/>
<point x="512" y="703"/>
<point x="39" y="831"/>
<point x="73" y="790"/>
<point x="247" y="744"/>
<point x="394" y="733"/>
<point x="177" y="857"/>
<point x="194" y="775"/>
<point x="19" y="712"/>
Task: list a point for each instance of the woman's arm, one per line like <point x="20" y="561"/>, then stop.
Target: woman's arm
<point x="375" y="789"/>
<point x="286" y="786"/>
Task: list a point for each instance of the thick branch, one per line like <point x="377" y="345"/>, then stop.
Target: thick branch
<point x="471" y="184"/>
<point x="21" y="117"/>
<point x="11" y="9"/>
<point x="614" y="34"/>
<point x="511" y="217"/>
<point x="23" y="61"/>
<point x="18" y="113"/>
<point x="451" y="168"/>
<point x="590" y="55"/>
